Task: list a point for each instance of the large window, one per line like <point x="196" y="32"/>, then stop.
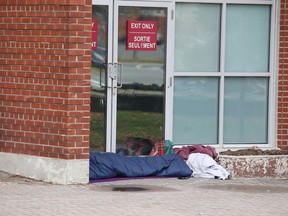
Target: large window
<point x="223" y="72"/>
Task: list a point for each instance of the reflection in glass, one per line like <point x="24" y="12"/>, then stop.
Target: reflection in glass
<point x="140" y="100"/>
<point x="195" y="110"/>
<point x="245" y="110"/>
<point x="98" y="80"/>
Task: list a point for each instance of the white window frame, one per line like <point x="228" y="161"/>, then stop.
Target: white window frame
<point x="272" y="73"/>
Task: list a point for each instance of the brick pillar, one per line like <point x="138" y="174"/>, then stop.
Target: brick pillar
<point x="282" y="127"/>
<point x="45" y="51"/>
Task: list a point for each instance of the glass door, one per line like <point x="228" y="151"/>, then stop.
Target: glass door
<point x="101" y="55"/>
<point x="136" y="77"/>
<point x="141" y="55"/>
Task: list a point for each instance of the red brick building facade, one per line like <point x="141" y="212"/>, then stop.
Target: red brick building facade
<point x="45" y="78"/>
<point x="282" y="126"/>
<point x="45" y="66"/>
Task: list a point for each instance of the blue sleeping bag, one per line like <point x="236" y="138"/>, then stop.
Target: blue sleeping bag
<point x="109" y="165"/>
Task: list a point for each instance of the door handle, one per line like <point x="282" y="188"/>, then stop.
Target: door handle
<point x="111" y="74"/>
<point x="113" y="69"/>
<point x="103" y="65"/>
<point x="120" y="75"/>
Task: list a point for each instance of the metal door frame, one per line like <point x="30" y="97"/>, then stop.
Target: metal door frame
<point x="112" y="61"/>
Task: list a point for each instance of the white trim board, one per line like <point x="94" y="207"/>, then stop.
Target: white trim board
<point x="57" y="171"/>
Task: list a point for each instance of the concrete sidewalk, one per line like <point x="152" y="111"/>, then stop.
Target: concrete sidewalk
<point x="149" y="197"/>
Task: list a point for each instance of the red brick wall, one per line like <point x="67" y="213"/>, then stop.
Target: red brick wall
<point x="45" y="49"/>
<point x="282" y="127"/>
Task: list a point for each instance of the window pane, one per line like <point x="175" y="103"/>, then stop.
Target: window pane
<point x="195" y="110"/>
<point x="197" y="37"/>
<point x="247" y="38"/>
<point x="245" y="110"/>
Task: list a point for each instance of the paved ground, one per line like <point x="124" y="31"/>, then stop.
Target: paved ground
<point x="149" y="197"/>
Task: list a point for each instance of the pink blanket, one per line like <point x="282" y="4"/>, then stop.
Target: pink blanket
<point x="185" y="151"/>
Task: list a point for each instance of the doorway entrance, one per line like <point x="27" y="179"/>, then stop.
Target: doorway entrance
<point x="131" y="81"/>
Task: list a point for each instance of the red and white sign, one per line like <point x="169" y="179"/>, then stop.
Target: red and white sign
<point x="141" y="35"/>
<point x="94" y="39"/>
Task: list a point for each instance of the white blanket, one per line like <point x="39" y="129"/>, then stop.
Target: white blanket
<point x="205" y="166"/>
